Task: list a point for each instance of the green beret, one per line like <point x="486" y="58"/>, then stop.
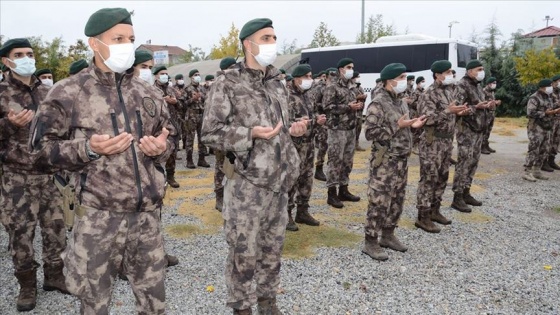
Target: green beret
<point x="209" y="77"/>
<point x="104" y="19"/>
<point x="301" y="70"/>
<point x="289" y="78"/>
<point x="254" y="25"/>
<point x="344" y="62"/>
<point x="78" y="66"/>
<point x="322" y="72"/>
<point x="419" y="79"/>
<point x="392" y="71"/>
<point x="474" y="64"/>
<point x="355" y="75"/>
<point x="42" y="71"/>
<point x="14" y="43"/>
<point x="440" y="66"/>
<point x="556" y="77"/>
<point x="315" y="76"/>
<point x="178" y="76"/>
<point x="226" y="63"/>
<point x="158" y="69"/>
<point x="410" y="77"/>
<point x="192" y="72"/>
<point x="377" y="80"/>
<point x="282" y="70"/>
<point x="329" y="70"/>
<point x="545" y="83"/>
<point x="490" y="80"/>
<point x="142" y="56"/>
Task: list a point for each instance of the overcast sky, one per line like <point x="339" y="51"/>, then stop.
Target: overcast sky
<point x="201" y="23"/>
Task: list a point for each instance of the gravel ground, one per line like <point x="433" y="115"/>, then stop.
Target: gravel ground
<point x="489" y="262"/>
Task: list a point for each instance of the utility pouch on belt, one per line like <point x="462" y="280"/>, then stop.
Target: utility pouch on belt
<point x="228" y="167"/>
<point x="381" y="150"/>
<point x="68" y="192"/>
<point x="430" y="134"/>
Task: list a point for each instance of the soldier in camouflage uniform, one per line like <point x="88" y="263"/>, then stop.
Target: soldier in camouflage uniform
<point x="46" y="77"/>
<point x="301" y="107"/>
<point x="341" y="103"/>
<point x="413" y="110"/>
<point x="195" y="111"/>
<point x="541" y="113"/>
<point x="378" y="86"/>
<point x="28" y="195"/>
<point x="470" y="132"/>
<point x="489" y="90"/>
<point x="161" y="82"/>
<point x="225" y="64"/>
<point x="555" y="137"/>
<point x="321" y="134"/>
<point x="111" y="128"/>
<point x="361" y="96"/>
<point x="388" y="126"/>
<point x="180" y="91"/>
<point x="247" y="117"/>
<point x="440" y="108"/>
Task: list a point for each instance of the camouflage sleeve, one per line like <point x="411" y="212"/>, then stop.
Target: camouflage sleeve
<point x="189" y="95"/>
<point x="165" y="121"/>
<point x="533" y="110"/>
<point x="218" y="129"/>
<point x="462" y="96"/>
<point x="8" y="129"/>
<point x="427" y="106"/>
<point x="330" y="102"/>
<point x="376" y="128"/>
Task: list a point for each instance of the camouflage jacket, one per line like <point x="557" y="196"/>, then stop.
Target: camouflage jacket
<point x="239" y="100"/>
<point x="174" y="109"/>
<point x="180" y="92"/>
<point x="316" y="93"/>
<point x="191" y="102"/>
<point x="337" y="96"/>
<point x="433" y="104"/>
<point x="14" y="147"/>
<point x="556" y="98"/>
<point x="93" y="102"/>
<point x="376" y="90"/>
<point x="409" y="90"/>
<point x="489" y="95"/>
<point x="537" y="105"/>
<point x="381" y="125"/>
<point x="300" y="105"/>
<point x="469" y="91"/>
<point x="416" y="95"/>
<point x="358" y="90"/>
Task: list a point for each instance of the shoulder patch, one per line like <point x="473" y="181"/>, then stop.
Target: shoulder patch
<point x="149" y="106"/>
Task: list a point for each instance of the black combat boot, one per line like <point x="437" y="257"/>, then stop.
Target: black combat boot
<point x="267" y="306"/>
<point x="243" y="312"/>
<point x="319" y="174"/>
<point x="332" y="198"/>
<point x="373" y="249"/>
<point x="459" y="203"/>
<point x="490" y="149"/>
<point x="171" y="180"/>
<point x="27" y="298"/>
<point x="553" y="164"/>
<point x="345" y="195"/>
<point x="202" y="161"/>
<point x="469" y="199"/>
<point x="485" y="149"/>
<point x="389" y="240"/>
<point x="220" y="199"/>
<point x="292" y="226"/>
<point x="303" y="216"/>
<point x="425" y="223"/>
<point x="190" y="163"/>
<point x="171" y="260"/>
<point x="546" y="167"/>
<point x="436" y="216"/>
<point x="54" y="278"/>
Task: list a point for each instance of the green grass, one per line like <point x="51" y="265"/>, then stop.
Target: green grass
<point x="302" y="244"/>
<point x="183" y="230"/>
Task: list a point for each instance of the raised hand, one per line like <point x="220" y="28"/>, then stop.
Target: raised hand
<point x="105" y="145"/>
<point x="266" y="133"/>
<point x="20" y="119"/>
<point x="154" y="146"/>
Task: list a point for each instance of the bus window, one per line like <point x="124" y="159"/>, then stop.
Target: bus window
<point x="465" y="54"/>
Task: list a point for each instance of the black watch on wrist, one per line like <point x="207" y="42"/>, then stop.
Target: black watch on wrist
<point x="89" y="152"/>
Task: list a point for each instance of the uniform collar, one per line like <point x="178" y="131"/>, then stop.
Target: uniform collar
<point x="35" y="82"/>
<point x="110" y="78"/>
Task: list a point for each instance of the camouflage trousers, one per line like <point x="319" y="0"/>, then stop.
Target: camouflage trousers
<point x="255" y="226"/>
<point x="194" y="126"/>
<point x="555" y="139"/>
<point x="386" y="192"/>
<point x="434" y="173"/>
<point x="170" y="163"/>
<point x="102" y="242"/>
<point x="490" y="115"/>
<point x="321" y="143"/>
<point x="304" y="184"/>
<point x="539" y="145"/>
<point x="341" y="156"/>
<point x="359" y="122"/>
<point x="469" y="144"/>
<point x="27" y="200"/>
<point x="218" y="171"/>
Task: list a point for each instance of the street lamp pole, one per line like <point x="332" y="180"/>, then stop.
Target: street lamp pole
<point x="450" y="26"/>
<point x="363" y="17"/>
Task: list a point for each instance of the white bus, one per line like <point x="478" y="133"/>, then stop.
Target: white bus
<point x="417" y="52"/>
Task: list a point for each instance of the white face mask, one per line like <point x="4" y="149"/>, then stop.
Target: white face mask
<point x="1" y="76"/>
<point x="480" y="75"/>
<point x="181" y="82"/>
<point x="267" y="54"/>
<point x="170" y="83"/>
<point x="146" y="75"/>
<point x="420" y="85"/>
<point x="548" y="90"/>
<point x="357" y="80"/>
<point x="121" y="57"/>
<point x="283" y="82"/>
<point x="401" y="86"/>
<point x="493" y="86"/>
<point x="448" y="80"/>
<point x="163" y="78"/>
<point x="197" y="79"/>
<point x="47" y="82"/>
<point x="24" y="66"/>
<point x="306" y="84"/>
<point x="349" y="73"/>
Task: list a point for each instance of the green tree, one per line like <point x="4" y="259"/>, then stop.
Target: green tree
<point x="537" y="65"/>
<point x="229" y="46"/>
<point x="323" y="37"/>
<point x="491" y="54"/>
<point x="289" y="48"/>
<point x="78" y="51"/>
<point x="193" y="54"/>
<point x="375" y="29"/>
